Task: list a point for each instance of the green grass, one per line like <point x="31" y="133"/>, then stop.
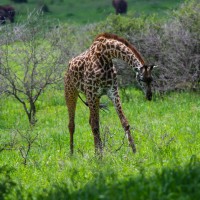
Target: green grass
<point x="166" y="133"/>
<point x="166" y="166"/>
<point x="90" y="11"/>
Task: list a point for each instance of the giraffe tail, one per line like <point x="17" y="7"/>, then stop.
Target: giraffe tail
<point x="102" y="106"/>
<point x="86" y="103"/>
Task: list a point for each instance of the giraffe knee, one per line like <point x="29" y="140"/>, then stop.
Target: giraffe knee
<point x="127" y="127"/>
<point x="95" y="130"/>
<point x="94" y="125"/>
<point x="71" y="127"/>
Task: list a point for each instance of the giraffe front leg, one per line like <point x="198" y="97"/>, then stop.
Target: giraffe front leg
<point x="114" y="96"/>
<point x="94" y="123"/>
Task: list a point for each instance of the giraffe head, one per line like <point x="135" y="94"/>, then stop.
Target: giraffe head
<point x="144" y="78"/>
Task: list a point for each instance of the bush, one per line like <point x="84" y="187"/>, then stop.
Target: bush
<point x="174" y="46"/>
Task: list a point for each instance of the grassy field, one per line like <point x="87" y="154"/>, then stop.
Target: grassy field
<point x="35" y="162"/>
<point x="166" y="166"/>
<point x="89" y="11"/>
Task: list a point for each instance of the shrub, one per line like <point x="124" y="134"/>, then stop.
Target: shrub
<point x="174" y="46"/>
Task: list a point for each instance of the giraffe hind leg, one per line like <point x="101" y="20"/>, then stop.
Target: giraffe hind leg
<point x="71" y="100"/>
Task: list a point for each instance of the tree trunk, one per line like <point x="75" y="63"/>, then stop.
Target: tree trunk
<point x="32" y="112"/>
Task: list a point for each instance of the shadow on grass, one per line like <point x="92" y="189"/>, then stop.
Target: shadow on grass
<point x="6" y="182"/>
<point x="177" y="183"/>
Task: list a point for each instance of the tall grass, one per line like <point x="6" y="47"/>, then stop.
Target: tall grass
<point x="166" y="165"/>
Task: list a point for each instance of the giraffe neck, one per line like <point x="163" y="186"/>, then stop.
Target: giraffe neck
<point x="112" y="48"/>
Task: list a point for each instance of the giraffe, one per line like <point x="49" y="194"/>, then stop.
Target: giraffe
<point x="94" y="74"/>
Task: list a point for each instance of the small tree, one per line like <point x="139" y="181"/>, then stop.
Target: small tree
<point x="31" y="60"/>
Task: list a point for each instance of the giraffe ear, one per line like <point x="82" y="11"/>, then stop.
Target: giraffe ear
<point x="153" y="66"/>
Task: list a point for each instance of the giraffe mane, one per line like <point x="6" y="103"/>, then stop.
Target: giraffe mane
<point x="128" y="44"/>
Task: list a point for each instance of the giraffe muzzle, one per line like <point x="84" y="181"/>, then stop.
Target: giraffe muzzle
<point x="149" y="96"/>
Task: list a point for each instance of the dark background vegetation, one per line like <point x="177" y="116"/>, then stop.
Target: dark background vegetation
<point x="90" y="11"/>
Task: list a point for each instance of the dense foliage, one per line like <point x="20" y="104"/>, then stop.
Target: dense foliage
<point x="173" y="46"/>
